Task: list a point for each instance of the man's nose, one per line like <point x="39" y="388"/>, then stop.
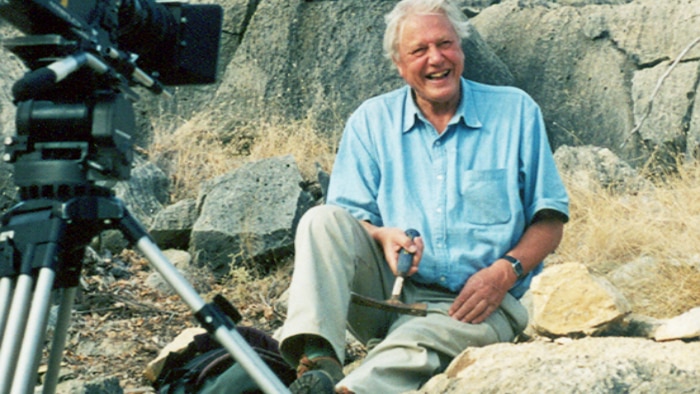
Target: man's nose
<point x="435" y="54"/>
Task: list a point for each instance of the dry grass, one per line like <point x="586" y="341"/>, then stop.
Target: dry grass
<point x="298" y="139"/>
<point x="199" y="150"/>
<point x="660" y="224"/>
<point x="191" y="154"/>
<point x="607" y="229"/>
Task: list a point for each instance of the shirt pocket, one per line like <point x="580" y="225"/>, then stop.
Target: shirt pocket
<point x="485" y="196"/>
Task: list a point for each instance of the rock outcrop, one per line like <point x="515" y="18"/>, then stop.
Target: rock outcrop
<point x="588" y="365"/>
<point x="249" y="215"/>
<point x="620" y="75"/>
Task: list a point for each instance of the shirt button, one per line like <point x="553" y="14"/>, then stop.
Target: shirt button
<point x="443" y="279"/>
<point x="438" y="210"/>
<point x="440" y="177"/>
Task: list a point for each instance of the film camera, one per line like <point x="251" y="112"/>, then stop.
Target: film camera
<point x="75" y="122"/>
<point x="74" y="116"/>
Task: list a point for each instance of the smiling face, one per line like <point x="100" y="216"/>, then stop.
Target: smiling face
<point x="431" y="61"/>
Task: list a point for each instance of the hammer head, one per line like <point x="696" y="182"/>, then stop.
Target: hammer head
<point x="391" y="305"/>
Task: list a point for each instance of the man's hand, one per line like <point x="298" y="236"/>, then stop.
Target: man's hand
<point x="485" y="290"/>
<point x="483" y="293"/>
<point x="392" y="240"/>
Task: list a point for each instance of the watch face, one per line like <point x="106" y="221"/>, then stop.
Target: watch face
<point x="518" y="267"/>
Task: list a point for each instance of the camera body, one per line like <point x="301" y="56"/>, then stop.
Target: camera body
<point x="175" y="42"/>
<point x="75" y="118"/>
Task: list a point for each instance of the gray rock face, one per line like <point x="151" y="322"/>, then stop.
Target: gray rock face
<point x="249" y="215"/>
<point x="592" y="167"/>
<point x="593" y="69"/>
<point x="284" y="67"/>
<point x="146" y="192"/>
<point x="172" y="226"/>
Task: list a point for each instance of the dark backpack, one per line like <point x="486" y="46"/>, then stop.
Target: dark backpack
<point x="207" y="368"/>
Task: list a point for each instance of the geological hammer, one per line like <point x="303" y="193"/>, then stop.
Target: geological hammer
<point x="394" y="302"/>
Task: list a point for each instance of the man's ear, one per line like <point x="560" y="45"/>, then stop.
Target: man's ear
<point x="398" y="65"/>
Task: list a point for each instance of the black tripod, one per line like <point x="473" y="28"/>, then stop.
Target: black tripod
<point x="67" y="145"/>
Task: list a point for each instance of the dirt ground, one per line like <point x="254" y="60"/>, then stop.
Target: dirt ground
<point x="120" y="324"/>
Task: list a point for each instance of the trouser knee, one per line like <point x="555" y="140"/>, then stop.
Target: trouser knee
<point x="323" y="221"/>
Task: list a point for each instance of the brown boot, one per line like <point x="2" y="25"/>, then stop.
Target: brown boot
<point x="317" y="376"/>
<point x="328" y="364"/>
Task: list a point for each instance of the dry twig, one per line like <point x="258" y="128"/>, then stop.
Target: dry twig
<point x="660" y="82"/>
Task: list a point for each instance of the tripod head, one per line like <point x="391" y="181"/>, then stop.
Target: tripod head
<point x="75" y="120"/>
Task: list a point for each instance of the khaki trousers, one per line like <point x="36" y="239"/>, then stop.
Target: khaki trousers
<point x="335" y="255"/>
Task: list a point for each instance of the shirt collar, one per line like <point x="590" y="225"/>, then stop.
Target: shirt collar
<point x="466" y="112"/>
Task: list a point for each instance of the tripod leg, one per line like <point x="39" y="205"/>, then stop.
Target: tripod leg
<point x="15" y="330"/>
<point x="227" y="336"/>
<point x="58" y="342"/>
<point x="34" y="333"/>
<point x="5" y="298"/>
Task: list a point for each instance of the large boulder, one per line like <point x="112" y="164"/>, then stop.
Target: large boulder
<point x="569" y="300"/>
<point x="594" y="70"/>
<point x="171" y="227"/>
<point x="249" y="216"/>
<point x="593" y="168"/>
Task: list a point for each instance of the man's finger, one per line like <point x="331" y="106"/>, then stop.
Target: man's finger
<point x="476" y="312"/>
<point x="483" y="316"/>
<point x="464" y="304"/>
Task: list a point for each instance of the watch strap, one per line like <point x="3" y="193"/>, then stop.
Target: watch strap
<point x="516" y="264"/>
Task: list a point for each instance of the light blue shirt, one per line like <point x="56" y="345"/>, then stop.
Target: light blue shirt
<point x="470" y="191"/>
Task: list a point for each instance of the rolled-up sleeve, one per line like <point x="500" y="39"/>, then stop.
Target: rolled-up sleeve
<point x="542" y="186"/>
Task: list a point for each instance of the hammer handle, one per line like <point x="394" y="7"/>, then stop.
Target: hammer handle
<point x="406" y="258"/>
<point x="403" y="266"/>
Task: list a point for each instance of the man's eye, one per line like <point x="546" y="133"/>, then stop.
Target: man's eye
<point x="418" y="51"/>
<point x="445" y="44"/>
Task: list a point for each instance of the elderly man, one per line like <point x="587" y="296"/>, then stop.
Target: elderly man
<point x="469" y="166"/>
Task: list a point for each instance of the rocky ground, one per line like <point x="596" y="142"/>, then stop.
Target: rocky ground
<point x="120" y="323"/>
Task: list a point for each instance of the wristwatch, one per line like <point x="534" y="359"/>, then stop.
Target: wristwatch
<point x="516" y="264"/>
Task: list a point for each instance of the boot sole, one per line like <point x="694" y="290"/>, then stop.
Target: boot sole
<point x="313" y="382"/>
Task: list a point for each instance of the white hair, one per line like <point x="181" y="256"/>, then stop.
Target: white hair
<point x="405" y="8"/>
